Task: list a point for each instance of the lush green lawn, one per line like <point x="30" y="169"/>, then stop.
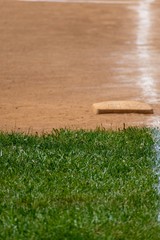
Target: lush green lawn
<point x="79" y="185"/>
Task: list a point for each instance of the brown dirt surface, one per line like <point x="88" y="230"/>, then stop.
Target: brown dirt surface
<point x="57" y="59"/>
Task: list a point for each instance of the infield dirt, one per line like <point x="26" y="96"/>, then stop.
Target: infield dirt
<point x="57" y="59"/>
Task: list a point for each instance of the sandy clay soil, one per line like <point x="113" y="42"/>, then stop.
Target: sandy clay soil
<point x="57" y="59"/>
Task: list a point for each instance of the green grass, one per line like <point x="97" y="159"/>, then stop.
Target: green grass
<point x="79" y="185"/>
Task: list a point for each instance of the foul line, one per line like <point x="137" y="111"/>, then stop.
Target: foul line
<point x="156" y="138"/>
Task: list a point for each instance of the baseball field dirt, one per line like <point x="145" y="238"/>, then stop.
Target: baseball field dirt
<point x="57" y="59"/>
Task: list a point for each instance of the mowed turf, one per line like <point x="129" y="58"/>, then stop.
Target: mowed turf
<point x="79" y="185"/>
